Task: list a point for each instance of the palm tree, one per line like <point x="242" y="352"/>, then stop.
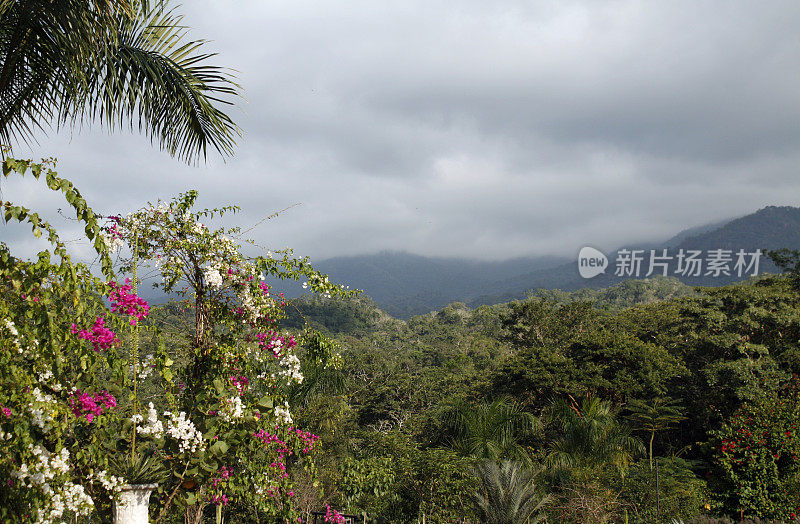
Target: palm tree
<point x="508" y="494"/>
<point x="588" y="438"/>
<point x="124" y="62"/>
<point x="493" y="431"/>
<point x="660" y="415"/>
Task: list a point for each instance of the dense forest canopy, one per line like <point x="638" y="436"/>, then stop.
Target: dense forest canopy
<point x="668" y="373"/>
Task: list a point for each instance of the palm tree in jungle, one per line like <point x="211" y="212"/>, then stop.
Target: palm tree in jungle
<point x="589" y="437"/>
<point x="493" y="430"/>
<point x="508" y="494"/>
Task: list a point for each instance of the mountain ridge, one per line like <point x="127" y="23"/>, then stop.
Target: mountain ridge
<point x="405" y="284"/>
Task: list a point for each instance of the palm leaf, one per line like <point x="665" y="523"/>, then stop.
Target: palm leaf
<point x="589" y="438"/>
<point x="492" y="430"/>
<point x="44" y="46"/>
<point x="119" y="62"/>
<point x="508" y="494"/>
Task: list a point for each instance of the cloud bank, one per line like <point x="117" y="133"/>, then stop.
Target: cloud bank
<point x="482" y="129"/>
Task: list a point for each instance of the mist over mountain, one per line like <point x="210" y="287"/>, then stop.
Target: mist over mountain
<point x="770" y="228"/>
<point x="404" y="284"/>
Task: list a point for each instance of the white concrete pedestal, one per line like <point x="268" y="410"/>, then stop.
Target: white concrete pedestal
<point x="131" y="504"/>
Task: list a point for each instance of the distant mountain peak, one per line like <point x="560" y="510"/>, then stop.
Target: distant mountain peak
<point x="405" y="284"/>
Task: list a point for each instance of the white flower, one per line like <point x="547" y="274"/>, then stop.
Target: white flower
<point x="65" y="496"/>
<point x="112" y="243"/>
<point x="292" y="369"/>
<point x="233" y="409"/>
<point x="45" y="377"/>
<point x="249" y="304"/>
<point x="42" y="409"/>
<point x="14" y="333"/>
<point x="154" y="427"/>
<point x="183" y="430"/>
<point x="283" y="414"/>
<point x="11" y="327"/>
<point x="146" y="367"/>
<point x="109" y="482"/>
<point x="212" y="276"/>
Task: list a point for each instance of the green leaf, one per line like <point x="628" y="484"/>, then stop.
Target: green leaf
<point x="219" y="448"/>
<point x="210" y="467"/>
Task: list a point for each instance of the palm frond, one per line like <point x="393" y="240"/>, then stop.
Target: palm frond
<point x="122" y="62"/>
<point x="44" y="46"/>
<point x="589" y="438"/>
<point x="492" y="430"/>
<point x="508" y="494"/>
<point x="163" y="85"/>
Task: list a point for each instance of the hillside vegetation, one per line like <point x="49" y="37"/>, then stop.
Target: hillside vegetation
<point x="702" y="382"/>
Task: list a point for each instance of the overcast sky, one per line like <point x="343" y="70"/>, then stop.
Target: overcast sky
<point x="479" y="129"/>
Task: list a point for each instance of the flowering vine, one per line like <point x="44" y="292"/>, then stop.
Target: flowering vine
<point x="65" y="383"/>
<point x="231" y="394"/>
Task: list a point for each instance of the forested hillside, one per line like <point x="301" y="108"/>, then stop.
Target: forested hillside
<point x="404" y="285"/>
<point x="699" y="383"/>
<point x="171" y="354"/>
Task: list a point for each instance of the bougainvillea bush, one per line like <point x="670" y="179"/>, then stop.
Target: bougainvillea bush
<point x="85" y="407"/>
<point x="228" y="401"/>
<point x="758" y="451"/>
<point x="60" y="368"/>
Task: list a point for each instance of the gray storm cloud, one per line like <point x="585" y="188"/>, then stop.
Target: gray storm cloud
<point x="485" y="129"/>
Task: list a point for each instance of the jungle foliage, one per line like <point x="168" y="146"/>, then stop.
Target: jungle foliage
<point x="587" y="400"/>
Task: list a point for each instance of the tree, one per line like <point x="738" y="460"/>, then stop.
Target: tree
<point x="588" y="438"/>
<point x="788" y="260"/>
<point x="493" y="431"/>
<point x="508" y="494"/>
<point x="234" y="387"/>
<point x="758" y="449"/>
<point x="48" y="372"/>
<point x="680" y="495"/>
<point x="658" y="415"/>
<point x="72" y="384"/>
<point x="69" y="60"/>
<point x="572" y="349"/>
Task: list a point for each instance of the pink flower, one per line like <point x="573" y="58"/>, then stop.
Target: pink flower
<point x="219" y="499"/>
<point x="275" y="342"/>
<point x="101" y="337"/>
<point x="84" y="405"/>
<point x="123" y="301"/>
<point x="240" y="383"/>
<point x="331" y="515"/>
